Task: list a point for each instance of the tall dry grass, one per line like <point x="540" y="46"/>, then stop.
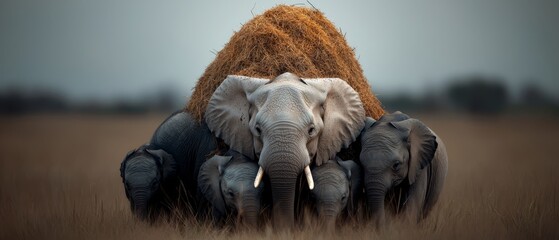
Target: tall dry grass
<point x="59" y="179"/>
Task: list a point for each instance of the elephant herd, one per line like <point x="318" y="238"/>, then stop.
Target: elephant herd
<point x="268" y="147"/>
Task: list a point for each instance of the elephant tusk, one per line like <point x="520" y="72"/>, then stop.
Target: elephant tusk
<point x="309" y="177"/>
<point x="258" y="177"/>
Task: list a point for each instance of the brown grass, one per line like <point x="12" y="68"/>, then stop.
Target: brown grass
<point x="59" y="179"/>
<point x="286" y="39"/>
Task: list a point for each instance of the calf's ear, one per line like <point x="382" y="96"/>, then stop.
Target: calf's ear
<point x="209" y="179"/>
<point x="168" y="163"/>
<point x="123" y="163"/>
<point x="353" y="172"/>
<point x="422" y="145"/>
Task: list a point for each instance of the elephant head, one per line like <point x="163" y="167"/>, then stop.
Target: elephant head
<point x="227" y="183"/>
<point x="285" y="123"/>
<point x="394" y="151"/>
<point x="337" y="188"/>
<point x="143" y="171"/>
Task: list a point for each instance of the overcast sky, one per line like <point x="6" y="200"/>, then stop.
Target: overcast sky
<point x="106" y="48"/>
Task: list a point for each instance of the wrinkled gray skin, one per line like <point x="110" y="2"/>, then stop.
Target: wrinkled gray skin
<point x="337" y="189"/>
<point x="286" y="124"/>
<point x="155" y="177"/>
<point x="227" y="183"/>
<point x="404" y="164"/>
<point x="144" y="171"/>
<point x="189" y="142"/>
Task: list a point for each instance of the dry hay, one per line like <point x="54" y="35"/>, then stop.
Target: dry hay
<point x="285" y="39"/>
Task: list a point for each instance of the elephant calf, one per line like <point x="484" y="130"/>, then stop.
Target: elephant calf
<point x="337" y="188"/>
<point x="145" y="172"/>
<point x="227" y="183"/>
<point x="404" y="164"/>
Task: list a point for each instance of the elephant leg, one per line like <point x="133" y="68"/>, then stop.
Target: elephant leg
<point x="436" y="177"/>
<point x="413" y="208"/>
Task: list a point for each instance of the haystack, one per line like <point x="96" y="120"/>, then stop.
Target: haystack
<point x="285" y="39"/>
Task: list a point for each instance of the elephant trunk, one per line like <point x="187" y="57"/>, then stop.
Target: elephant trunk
<point x="376" y="193"/>
<point x="249" y="218"/>
<point x="327" y="214"/>
<point x="283" y="159"/>
<point x="248" y="212"/>
<point x="140" y="199"/>
<point x="283" y="194"/>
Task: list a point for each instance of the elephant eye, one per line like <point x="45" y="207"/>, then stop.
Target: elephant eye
<point x="258" y="130"/>
<point x="344" y="197"/>
<point x="231" y="193"/>
<point x="154" y="184"/>
<point x="312" y="131"/>
<point x="396" y="166"/>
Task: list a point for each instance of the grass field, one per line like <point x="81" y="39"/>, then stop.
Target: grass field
<point x="59" y="179"/>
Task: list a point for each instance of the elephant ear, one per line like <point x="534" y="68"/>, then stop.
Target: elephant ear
<point x="369" y="122"/>
<point x="422" y="145"/>
<point x="394" y="117"/>
<point x="227" y="114"/>
<point x="123" y="163"/>
<point x="166" y="161"/>
<point x="353" y="172"/>
<point x="209" y="179"/>
<point x="344" y="117"/>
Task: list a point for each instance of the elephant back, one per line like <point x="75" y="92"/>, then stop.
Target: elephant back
<point x="285" y="39"/>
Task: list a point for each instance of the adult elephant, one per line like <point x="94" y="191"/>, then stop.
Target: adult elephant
<point x="285" y="123"/>
<point x="404" y="164"/>
<point x="190" y="143"/>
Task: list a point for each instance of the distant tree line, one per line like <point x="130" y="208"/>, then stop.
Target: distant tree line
<point x="476" y="95"/>
<point x="18" y="101"/>
<point x="471" y="94"/>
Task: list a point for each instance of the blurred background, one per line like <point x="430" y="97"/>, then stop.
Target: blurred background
<point x="83" y="82"/>
<point x="145" y="56"/>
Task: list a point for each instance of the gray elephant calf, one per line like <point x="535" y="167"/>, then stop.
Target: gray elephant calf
<point x="147" y="174"/>
<point x="337" y="189"/>
<point x="227" y="182"/>
<point x="404" y="164"/>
